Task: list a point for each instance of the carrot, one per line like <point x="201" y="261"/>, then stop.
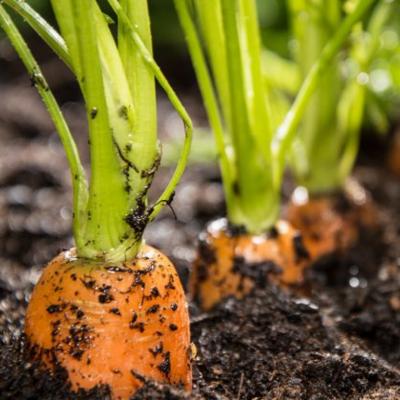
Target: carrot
<point x="225" y="48"/>
<point x="231" y="263"/>
<point x="112" y="324"/>
<point x="330" y="213"/>
<point x="112" y="310"/>
<point x="332" y="223"/>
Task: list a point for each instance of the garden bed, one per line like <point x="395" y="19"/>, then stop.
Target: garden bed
<point x="340" y="339"/>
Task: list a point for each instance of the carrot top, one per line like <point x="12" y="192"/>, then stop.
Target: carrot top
<point x="327" y="144"/>
<point x="117" y="81"/>
<point x="223" y="40"/>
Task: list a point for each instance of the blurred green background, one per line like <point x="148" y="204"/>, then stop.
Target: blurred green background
<point x="170" y="51"/>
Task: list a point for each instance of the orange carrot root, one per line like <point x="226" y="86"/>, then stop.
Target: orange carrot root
<point x="112" y="325"/>
<point x="231" y="264"/>
<point x="332" y="223"/>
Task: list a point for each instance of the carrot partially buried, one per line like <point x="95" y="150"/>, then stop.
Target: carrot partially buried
<point x="111" y="311"/>
<point x="334" y="222"/>
<point x="224" y="44"/>
<point x="112" y="324"/>
<point x="332" y="211"/>
<point x="232" y="263"/>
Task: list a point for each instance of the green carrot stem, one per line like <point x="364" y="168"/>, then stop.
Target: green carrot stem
<point x="242" y="132"/>
<point x="106" y="224"/>
<point x="141" y="82"/>
<point x="283" y="139"/>
<point x="79" y="184"/>
<point x="42" y="28"/>
<point x="207" y="89"/>
<point x="168" y="192"/>
<point x="257" y="98"/>
<point x="140" y="76"/>
<point x="213" y="36"/>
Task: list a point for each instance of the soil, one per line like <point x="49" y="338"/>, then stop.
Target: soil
<point x="340" y="340"/>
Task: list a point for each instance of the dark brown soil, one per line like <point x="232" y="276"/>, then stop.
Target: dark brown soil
<point x="341" y="342"/>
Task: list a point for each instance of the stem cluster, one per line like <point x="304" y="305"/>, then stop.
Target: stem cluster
<point x="117" y="80"/>
<point x="224" y="44"/>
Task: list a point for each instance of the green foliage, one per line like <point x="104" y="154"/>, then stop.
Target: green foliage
<point x="327" y="144"/>
<point x="382" y="45"/>
<point x="117" y="81"/>
<point x="319" y="140"/>
<point x="239" y="113"/>
<point x="223" y="39"/>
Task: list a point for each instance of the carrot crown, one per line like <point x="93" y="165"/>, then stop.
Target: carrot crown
<point x="117" y="80"/>
<point x="223" y="40"/>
